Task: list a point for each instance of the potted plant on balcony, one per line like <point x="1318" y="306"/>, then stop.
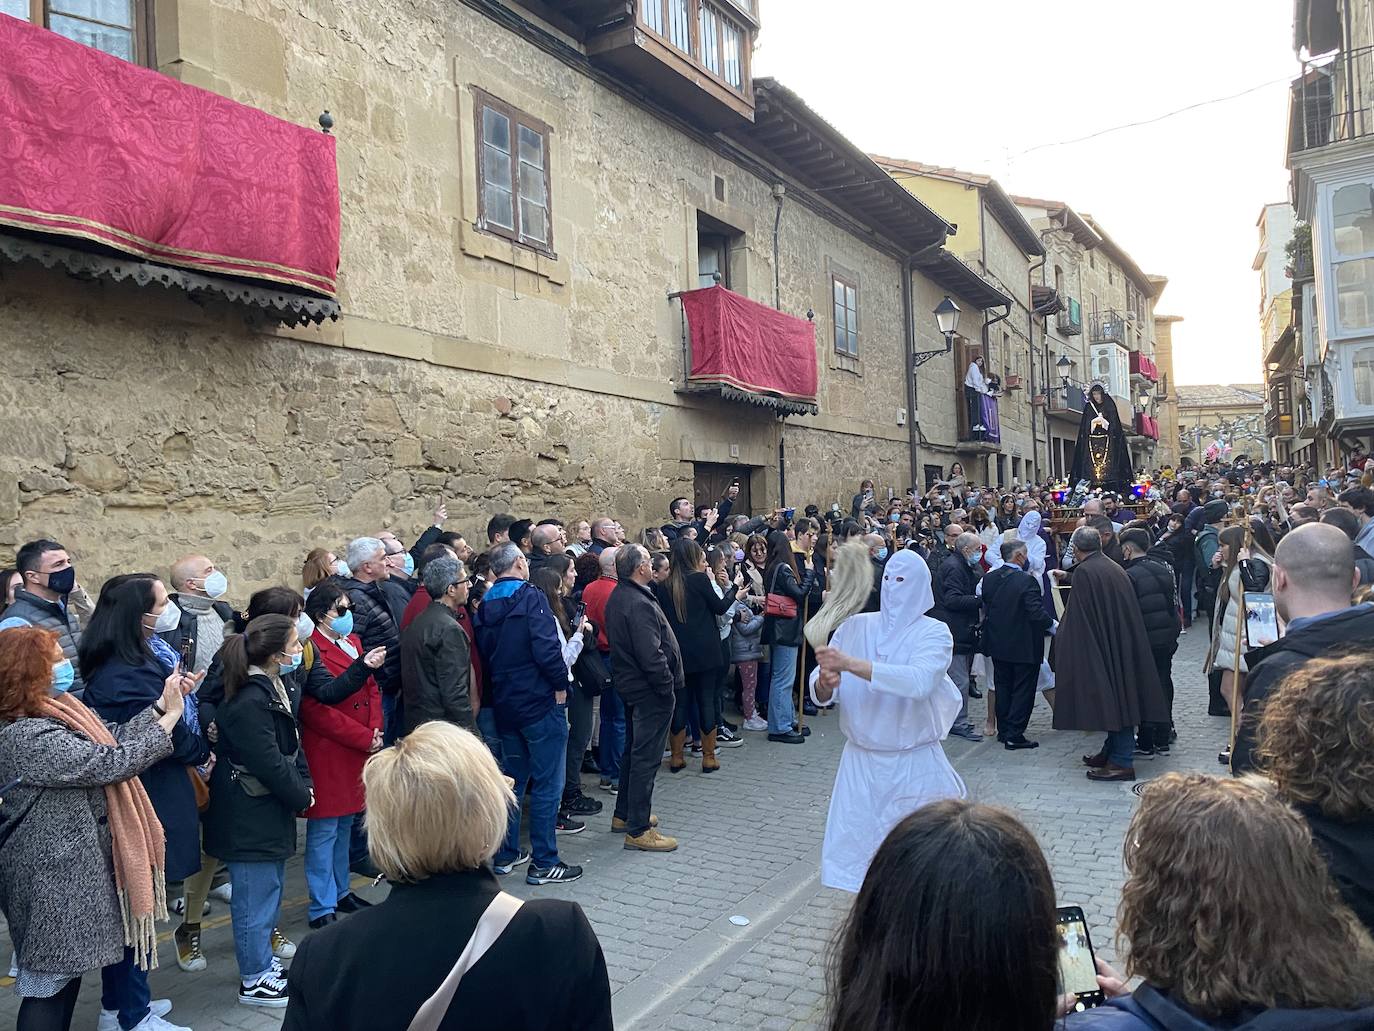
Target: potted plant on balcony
<point x="1013" y="381"/>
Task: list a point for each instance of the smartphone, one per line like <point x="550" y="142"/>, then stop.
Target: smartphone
<point x="580" y="615"/>
<point x="1077" y="965"/>
<point x="188" y="649"/>
<point x="789" y="513"/>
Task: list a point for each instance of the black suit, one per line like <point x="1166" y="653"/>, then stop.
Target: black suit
<point x="1016" y="609"/>
<point x="372" y="971"/>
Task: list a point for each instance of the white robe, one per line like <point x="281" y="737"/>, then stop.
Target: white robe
<point x="893" y="762"/>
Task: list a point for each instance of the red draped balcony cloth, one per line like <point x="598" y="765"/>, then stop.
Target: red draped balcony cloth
<point x="742" y="344"/>
<point x="98" y="149"/>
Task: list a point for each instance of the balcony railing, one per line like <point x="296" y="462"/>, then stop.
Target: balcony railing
<point x="1067" y="399"/>
<point x="1109" y="327"/>
<point x="986" y="431"/>
<point x="1071" y="318"/>
<point x="1332" y="100"/>
<point x="1143" y="367"/>
<point x="1277" y="424"/>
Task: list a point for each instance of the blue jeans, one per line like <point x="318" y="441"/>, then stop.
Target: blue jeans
<point x="326" y="862"/>
<point x="486" y="727"/>
<point x="782" y="713"/>
<point x="1119" y="746"/>
<point x="612" y="745"/>
<point x="253" y="907"/>
<point x="124" y="989"/>
<point x="536" y="755"/>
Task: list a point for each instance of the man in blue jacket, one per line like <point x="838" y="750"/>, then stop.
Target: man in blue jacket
<point x="527" y="687"/>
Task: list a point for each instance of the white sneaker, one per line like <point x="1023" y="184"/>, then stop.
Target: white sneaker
<point x="225" y="892"/>
<point x="755" y="723"/>
<point x="153" y="1022"/>
<point x="179" y="907"/>
<point x="109" y="1019"/>
<point x="14" y="965"/>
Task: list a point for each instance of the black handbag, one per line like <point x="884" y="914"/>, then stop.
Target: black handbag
<point x="592" y="672"/>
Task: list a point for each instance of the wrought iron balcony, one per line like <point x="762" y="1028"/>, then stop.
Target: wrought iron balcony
<point x="1067" y="400"/>
<point x="1071" y="318"/>
<point x="1109" y="327"/>
<point x="1331" y="100"/>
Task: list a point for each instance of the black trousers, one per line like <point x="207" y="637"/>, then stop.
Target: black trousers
<point x="1157" y="734"/>
<point x="1015" y="683"/>
<point x="646" y="731"/>
<point x="52" y="1014"/>
<point x="703" y="695"/>
<point x="579" y="733"/>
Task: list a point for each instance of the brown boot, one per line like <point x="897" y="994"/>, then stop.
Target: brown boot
<point x="650" y="841"/>
<point x="708" y="753"/>
<point x="676" y="743"/>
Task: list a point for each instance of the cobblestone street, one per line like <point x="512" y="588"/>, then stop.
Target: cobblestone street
<point x="750" y="847"/>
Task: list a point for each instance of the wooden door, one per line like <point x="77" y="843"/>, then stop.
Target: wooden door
<point x="710" y="481"/>
<point x="965" y="351"/>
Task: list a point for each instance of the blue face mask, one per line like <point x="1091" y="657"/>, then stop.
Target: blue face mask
<point x="975" y="560"/>
<point x="882" y="554"/>
<point x="62" y="677"/>
<point x="342" y="625"/>
<point x="739" y="555"/>
<point x="895" y="517"/>
<point x="293" y="665"/>
<point x="408" y="564"/>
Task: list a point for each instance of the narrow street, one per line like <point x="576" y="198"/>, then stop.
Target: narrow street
<point x="751" y="848"/>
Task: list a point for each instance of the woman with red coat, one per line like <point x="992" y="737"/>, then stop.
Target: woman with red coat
<point x="337" y="740"/>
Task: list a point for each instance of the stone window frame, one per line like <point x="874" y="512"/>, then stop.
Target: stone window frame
<point x="843" y="278"/>
<point x="482" y="101"/>
<point x="141" y="26"/>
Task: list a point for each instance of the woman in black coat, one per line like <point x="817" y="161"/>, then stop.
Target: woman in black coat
<point x="260" y="783"/>
<point x="125" y="666"/>
<point x="692" y="607"/>
<point x="784" y="635"/>
<point x="373" y="971"/>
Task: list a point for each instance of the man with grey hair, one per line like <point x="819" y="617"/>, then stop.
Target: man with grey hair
<point x="957" y="606"/>
<point x="377" y="620"/>
<point x="1314" y="575"/>
<point x="436" y="669"/>
<point x="647" y="670"/>
<point x="1105" y="678"/>
<point x="612" y="745"/>
<point x="527" y="685"/>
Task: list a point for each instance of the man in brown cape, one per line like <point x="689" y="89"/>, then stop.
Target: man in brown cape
<point x="1104" y="671"/>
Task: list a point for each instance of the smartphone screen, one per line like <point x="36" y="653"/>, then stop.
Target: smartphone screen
<point x="1077" y="969"/>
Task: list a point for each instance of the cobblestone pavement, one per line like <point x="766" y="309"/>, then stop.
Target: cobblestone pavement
<point x="750" y="848"/>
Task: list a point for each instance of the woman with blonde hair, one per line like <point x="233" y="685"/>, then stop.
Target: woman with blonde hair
<point x="436" y="814"/>
<point x="1229" y="917"/>
<point x="319" y="566"/>
<point x="1244" y="568"/>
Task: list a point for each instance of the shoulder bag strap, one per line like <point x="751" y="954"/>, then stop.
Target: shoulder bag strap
<point x="489" y="928"/>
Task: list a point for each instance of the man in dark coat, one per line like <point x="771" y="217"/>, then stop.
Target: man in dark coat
<point x="1314" y="574"/>
<point x="1157" y="592"/>
<point x="1013" y="604"/>
<point x="647" y="669"/>
<point x="376" y="620"/>
<point x="957" y="606"/>
<point x="436" y="671"/>
<point x="1105" y="675"/>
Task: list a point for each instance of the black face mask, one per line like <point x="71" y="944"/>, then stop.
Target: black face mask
<point x="62" y="581"/>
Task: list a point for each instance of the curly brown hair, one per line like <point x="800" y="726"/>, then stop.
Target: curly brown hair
<point x="1316" y="738"/>
<point x="1220" y="870"/>
<point x="27" y="655"/>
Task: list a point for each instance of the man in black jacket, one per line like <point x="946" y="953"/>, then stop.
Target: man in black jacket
<point x="1157" y="591"/>
<point x="957" y="606"/>
<point x="708" y="517"/>
<point x="1014" y="605"/>
<point x="1314" y="574"/>
<point x="436" y="667"/>
<point x="647" y="670"/>
<point x="376" y="620"/>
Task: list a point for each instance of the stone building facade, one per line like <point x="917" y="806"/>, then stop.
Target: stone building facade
<point x="139" y="423"/>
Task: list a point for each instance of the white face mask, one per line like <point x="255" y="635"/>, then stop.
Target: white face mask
<point x="216" y="584"/>
<point x="168" y="619"/>
<point x="341" y="568"/>
<point x="305" y="626"/>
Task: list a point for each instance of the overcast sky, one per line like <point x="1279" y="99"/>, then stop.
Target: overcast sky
<point x="975" y="84"/>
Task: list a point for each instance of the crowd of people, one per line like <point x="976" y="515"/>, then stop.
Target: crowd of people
<point x="428" y="710"/>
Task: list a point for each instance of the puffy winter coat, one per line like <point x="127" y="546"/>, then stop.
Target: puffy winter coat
<point x="1157" y="592"/>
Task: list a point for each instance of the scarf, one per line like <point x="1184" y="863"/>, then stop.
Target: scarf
<point x="137" y="845"/>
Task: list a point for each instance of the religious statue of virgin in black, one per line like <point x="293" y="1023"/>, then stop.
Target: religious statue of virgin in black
<point x="1101" y="456"/>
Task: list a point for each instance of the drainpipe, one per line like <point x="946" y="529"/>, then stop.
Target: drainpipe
<point x="987" y="322"/>
<point x="1030" y="331"/>
<point x="779" y="192"/>
<point x="909" y="343"/>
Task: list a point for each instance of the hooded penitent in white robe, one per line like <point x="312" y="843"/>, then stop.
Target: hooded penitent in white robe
<point x="893" y="762"/>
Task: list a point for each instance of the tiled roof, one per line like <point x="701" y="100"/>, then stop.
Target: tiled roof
<point x="1225" y="395"/>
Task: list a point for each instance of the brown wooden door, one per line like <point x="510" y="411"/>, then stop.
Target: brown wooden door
<point x="711" y="481"/>
<point x="965" y="351"/>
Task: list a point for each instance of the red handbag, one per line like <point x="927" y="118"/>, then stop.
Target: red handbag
<point x="779" y="605"/>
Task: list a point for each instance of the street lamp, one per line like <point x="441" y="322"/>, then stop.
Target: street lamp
<point x="1064" y="365"/>
<point x="947" y="318"/>
<point x="1144" y="400"/>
